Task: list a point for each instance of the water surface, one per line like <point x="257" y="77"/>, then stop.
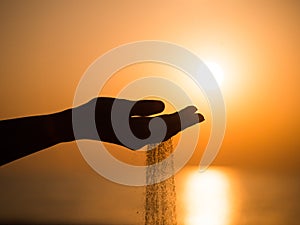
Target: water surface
<point x="219" y="196"/>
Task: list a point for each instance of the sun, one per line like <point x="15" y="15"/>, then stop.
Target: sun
<point x="216" y="70"/>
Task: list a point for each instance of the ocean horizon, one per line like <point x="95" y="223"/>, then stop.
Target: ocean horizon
<point x="219" y="196"/>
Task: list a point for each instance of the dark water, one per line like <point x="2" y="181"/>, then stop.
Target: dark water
<point x="220" y="196"/>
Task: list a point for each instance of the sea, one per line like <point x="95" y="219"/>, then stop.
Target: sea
<point x="218" y="196"/>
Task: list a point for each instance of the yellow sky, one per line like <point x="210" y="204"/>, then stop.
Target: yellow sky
<point x="47" y="45"/>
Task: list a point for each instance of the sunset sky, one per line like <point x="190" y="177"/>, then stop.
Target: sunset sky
<point x="46" y="46"/>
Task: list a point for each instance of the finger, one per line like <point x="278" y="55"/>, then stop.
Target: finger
<point x="181" y="120"/>
<point x="147" y="107"/>
<point x="188" y="110"/>
<point x="200" y="117"/>
<point x="188" y="117"/>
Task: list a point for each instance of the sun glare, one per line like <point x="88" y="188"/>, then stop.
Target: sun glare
<point x="207" y="198"/>
<point x="216" y="70"/>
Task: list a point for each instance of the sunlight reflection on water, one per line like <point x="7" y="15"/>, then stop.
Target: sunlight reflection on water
<point x="207" y="198"/>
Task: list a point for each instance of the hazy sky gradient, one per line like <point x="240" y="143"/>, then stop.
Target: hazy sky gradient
<point x="47" y="45"/>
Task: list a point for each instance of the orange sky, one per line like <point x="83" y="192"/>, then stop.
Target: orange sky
<point x="47" y="45"/>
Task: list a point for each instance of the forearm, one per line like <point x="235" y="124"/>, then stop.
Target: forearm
<point x="23" y="136"/>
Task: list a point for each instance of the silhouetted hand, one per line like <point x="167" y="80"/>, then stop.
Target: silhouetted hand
<point x="138" y="119"/>
<point x="23" y="136"/>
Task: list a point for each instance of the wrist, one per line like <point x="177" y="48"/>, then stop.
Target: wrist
<point x="62" y="130"/>
<point x="83" y="122"/>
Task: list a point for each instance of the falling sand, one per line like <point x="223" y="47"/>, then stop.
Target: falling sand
<point x="160" y="204"/>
